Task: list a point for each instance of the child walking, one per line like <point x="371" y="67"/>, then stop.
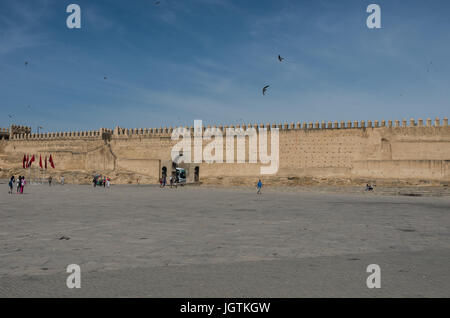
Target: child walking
<point x="259" y="186"/>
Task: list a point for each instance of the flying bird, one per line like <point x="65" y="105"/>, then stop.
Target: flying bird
<point x="10" y="116"/>
<point x="265" y="89"/>
<point x="157" y="2"/>
<point x="280" y="58"/>
<point x="105" y="77"/>
<point x="26" y="63"/>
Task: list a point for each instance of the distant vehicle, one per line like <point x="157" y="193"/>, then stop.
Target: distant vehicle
<point x="181" y="175"/>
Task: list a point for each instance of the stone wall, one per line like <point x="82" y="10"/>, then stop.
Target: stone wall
<point x="345" y="152"/>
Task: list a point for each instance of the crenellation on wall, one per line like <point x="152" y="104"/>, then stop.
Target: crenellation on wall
<point x="323" y="149"/>
<point x="60" y="135"/>
<point x="24" y="133"/>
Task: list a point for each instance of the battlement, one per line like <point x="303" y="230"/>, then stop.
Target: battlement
<point x="7" y="133"/>
<point x="91" y="134"/>
<point x="24" y="133"/>
<point x="4" y="133"/>
<point x="167" y="131"/>
<point x="15" y="129"/>
<point x="414" y="149"/>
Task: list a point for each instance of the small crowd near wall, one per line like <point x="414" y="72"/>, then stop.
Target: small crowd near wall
<point x="21" y="182"/>
<point x="101" y="181"/>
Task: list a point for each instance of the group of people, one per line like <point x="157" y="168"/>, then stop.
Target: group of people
<point x="21" y="182"/>
<point x="100" y="181"/>
<point x="173" y="181"/>
<point x="106" y="182"/>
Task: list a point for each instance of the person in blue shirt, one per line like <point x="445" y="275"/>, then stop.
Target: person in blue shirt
<point x="259" y="186"/>
<point x="11" y="185"/>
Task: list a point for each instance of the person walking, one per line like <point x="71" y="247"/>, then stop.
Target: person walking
<point x="171" y="181"/>
<point x="22" y="185"/>
<point x="11" y="185"/>
<point x="50" y="181"/>
<point x="108" y="182"/>
<point x="259" y="186"/>
<point x="177" y="180"/>
<point x="62" y="180"/>
<point x="19" y="184"/>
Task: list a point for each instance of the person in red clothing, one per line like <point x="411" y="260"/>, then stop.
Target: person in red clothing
<point x="22" y="184"/>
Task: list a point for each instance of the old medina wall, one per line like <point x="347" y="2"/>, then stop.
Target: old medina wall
<point x="405" y="153"/>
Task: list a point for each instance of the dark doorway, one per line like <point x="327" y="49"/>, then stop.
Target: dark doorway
<point x="197" y="174"/>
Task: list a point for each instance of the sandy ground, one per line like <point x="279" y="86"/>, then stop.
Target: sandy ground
<point x="143" y="241"/>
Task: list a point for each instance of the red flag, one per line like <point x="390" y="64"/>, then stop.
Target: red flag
<point x="40" y="161"/>
<point x="28" y="162"/>
<point x="31" y="161"/>
<point x="46" y="162"/>
<point x="51" y="162"/>
<point x="24" y="160"/>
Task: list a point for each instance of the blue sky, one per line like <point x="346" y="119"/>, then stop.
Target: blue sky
<point x="169" y="64"/>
